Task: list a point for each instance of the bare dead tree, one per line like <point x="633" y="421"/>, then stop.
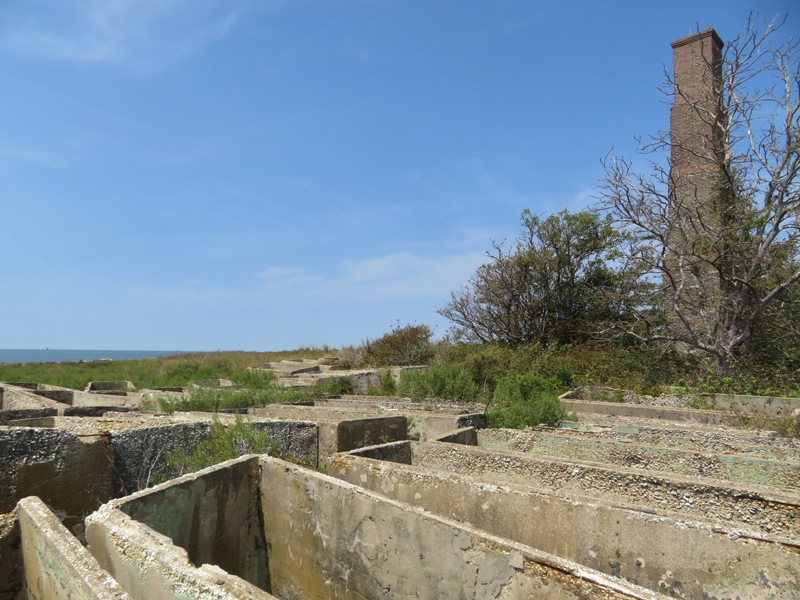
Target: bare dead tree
<point x="717" y="266"/>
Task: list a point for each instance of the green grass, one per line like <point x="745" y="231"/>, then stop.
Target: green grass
<point x="177" y="370"/>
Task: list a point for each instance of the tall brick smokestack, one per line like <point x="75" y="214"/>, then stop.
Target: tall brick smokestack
<point x="696" y="114"/>
<point x="696" y="181"/>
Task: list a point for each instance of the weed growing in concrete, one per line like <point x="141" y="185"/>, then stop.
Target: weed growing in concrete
<point x="225" y="442"/>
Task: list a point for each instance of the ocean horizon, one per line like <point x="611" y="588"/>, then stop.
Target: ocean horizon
<point x="46" y="355"/>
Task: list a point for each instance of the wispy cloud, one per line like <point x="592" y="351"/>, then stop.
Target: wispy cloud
<point x="142" y="34"/>
<point x="30" y="156"/>
<point x="391" y="276"/>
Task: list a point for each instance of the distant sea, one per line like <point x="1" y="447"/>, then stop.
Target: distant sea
<point x="47" y="355"/>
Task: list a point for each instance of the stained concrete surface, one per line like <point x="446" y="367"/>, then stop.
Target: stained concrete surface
<point x="12" y="575"/>
<point x="71" y="473"/>
<point x="56" y="565"/>
<point x="767" y="512"/>
<point x="324" y="538"/>
<point x="694" y="463"/>
<point x="663" y="553"/>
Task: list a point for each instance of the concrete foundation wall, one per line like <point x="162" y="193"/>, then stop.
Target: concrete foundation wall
<point x="12" y="574"/>
<point x="148" y="566"/>
<point x="682" y="559"/>
<point x="8" y="416"/>
<point x="71" y="474"/>
<point x="214" y="517"/>
<point x="330" y="539"/>
<point x="762" y="405"/>
<point x="56" y="566"/>
<point x="696" y="438"/>
<point x="688" y="415"/>
<point x="467" y="436"/>
<point x="730" y="467"/>
<point x="427" y="420"/>
<point x="767" y="513"/>
<point x="140" y="453"/>
<point x="341" y="430"/>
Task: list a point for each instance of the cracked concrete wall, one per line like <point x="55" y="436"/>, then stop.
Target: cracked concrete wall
<point x="56" y="566"/>
<point x="330" y="539"/>
<point x="71" y="474"/>
<point x="681" y="558"/>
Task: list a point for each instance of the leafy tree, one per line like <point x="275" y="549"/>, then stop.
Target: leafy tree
<point x="551" y="286"/>
<point x="720" y="269"/>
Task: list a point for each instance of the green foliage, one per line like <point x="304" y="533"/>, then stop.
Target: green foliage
<point x="333" y="386"/>
<point x="551" y="287"/>
<point x="526" y="400"/>
<point x="225" y="442"/>
<point x="450" y="382"/>
<point x="408" y="345"/>
<point x="387" y="386"/>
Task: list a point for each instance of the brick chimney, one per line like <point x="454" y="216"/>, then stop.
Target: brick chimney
<point x="696" y="195"/>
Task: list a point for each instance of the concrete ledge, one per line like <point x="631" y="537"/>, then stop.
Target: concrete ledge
<point x="764" y="405"/>
<point x="690" y="415"/>
<point x="684" y="436"/>
<point x="56" y="565"/>
<point x="772" y="514"/>
<point x="468" y="436"/>
<point x="679" y="557"/>
<point x="749" y="470"/>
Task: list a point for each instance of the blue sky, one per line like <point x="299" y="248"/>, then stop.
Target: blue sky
<point x="265" y="175"/>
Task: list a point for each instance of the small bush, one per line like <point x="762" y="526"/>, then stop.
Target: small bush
<point x="333" y="386"/>
<point x="409" y="345"/>
<point x="448" y="382"/>
<point x="526" y="400"/>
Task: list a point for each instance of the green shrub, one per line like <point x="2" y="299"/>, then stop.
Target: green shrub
<point x="525" y="400"/>
<point x="449" y="382"/>
<point x="387" y="386"/>
<point x="409" y="345"/>
<point x="333" y="386"/>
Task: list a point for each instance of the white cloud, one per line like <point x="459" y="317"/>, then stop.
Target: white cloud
<point x="143" y="34"/>
<point x="403" y="274"/>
